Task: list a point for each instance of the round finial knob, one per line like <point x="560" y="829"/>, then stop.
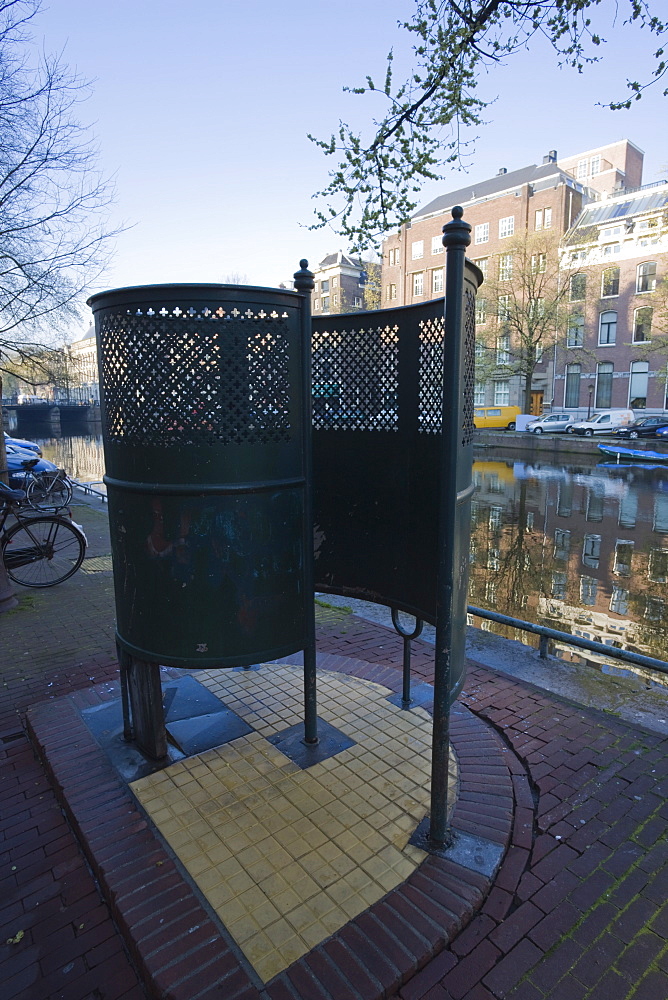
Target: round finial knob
<point x="457" y="233"/>
<point x="304" y="278"/>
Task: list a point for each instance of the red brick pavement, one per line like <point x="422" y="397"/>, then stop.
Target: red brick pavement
<point x="578" y="909"/>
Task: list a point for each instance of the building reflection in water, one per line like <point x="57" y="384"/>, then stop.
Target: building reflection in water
<point x="583" y="549"/>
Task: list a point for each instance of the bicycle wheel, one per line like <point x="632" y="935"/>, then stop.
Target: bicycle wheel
<point x="42" y="551"/>
<point x="49" y="491"/>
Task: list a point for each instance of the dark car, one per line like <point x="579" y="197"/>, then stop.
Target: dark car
<point x="643" y="427"/>
<point x="28" y="445"/>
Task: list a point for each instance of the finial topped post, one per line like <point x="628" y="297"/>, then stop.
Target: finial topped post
<point x="457" y="232"/>
<point x="304" y="278"/>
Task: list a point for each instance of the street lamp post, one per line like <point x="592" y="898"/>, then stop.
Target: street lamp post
<point x="590" y="389"/>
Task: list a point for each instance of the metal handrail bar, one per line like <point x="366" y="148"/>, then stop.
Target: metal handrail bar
<point x="572" y="640"/>
<point x="88" y="488"/>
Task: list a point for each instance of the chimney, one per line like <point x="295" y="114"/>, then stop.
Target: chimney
<point x="551" y="157"/>
<point x="503" y="170"/>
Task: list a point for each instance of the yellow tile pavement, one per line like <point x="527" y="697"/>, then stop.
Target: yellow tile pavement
<point x="287" y="856"/>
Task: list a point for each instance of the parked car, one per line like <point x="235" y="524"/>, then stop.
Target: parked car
<point x="604" y="422"/>
<point x="496" y="416"/>
<point x="552" y="422"/>
<point x="662" y="433"/>
<point x="31" y="445"/>
<point x="17" y="471"/>
<point x="642" y="427"/>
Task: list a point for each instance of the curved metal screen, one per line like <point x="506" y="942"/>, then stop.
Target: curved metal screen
<point x="377" y="398"/>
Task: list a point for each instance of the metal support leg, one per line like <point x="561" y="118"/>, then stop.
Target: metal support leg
<point x="123" y="662"/>
<point x="407" y="637"/>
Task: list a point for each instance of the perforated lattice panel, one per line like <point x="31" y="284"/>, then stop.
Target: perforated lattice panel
<point x="355" y="378"/>
<point x="197" y="376"/>
<point x="468" y="367"/>
<point x="432" y="332"/>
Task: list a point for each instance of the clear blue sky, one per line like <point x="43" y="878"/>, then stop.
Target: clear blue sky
<point x="201" y="111"/>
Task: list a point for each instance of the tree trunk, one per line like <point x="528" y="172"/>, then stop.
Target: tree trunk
<point x="8" y="599"/>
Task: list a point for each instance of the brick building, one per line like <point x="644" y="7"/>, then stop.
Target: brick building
<point x="614" y="354"/>
<point x="550" y="197"/>
<point x="340" y="282"/>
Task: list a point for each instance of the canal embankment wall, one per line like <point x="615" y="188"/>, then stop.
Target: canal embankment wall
<point x="547" y="445"/>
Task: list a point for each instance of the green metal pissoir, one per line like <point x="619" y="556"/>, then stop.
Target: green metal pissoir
<point x="206" y="424"/>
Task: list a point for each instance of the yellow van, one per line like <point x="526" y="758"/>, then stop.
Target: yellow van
<point x="496" y="416"/>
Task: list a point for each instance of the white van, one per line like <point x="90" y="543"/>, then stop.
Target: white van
<point x="604" y="422"/>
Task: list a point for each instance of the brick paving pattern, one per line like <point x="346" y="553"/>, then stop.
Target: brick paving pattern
<point x="577" y="910"/>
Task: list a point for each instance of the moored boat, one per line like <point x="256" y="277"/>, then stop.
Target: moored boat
<point x="633" y="454"/>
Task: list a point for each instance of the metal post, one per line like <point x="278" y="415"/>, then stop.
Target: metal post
<point x="456" y="238"/>
<point x="124" y="663"/>
<point x="407" y="637"/>
<point x="305" y="284"/>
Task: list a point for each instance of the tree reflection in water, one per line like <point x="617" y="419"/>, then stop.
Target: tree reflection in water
<point x="580" y="548"/>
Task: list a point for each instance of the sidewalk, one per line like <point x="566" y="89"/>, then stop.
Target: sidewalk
<point x="576" y="797"/>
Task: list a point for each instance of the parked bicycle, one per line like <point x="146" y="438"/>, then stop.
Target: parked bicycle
<point x="50" y="490"/>
<point x="38" y="550"/>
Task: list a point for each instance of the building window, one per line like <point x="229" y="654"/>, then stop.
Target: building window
<point x="417" y="250"/>
<point x="393" y="256"/>
<point x="480" y="311"/>
<point x="324" y="286"/>
<point x="505" y="267"/>
<point x="572" y="396"/>
<point x="501" y="393"/>
<point x="418" y="284"/>
<point x="335" y="300"/>
<point x="334" y="281"/>
<point x="642" y="324"/>
<point x="646" y="277"/>
<point x="575" y="332"/>
<point x="588" y="590"/>
<point x="536" y="309"/>
<point x="538" y="225"/>
<point x="591" y="551"/>
<point x="357" y="302"/>
<point x="506" y="227"/>
<point x="658" y="566"/>
<point x="316" y="303"/>
<point x="623" y="554"/>
<point x="559" y="586"/>
<point x="547" y="219"/>
<point x="325" y="302"/>
<point x="482" y="233"/>
<point x="483" y="264"/>
<point x="562" y="544"/>
<point x="538" y="263"/>
<point x="612" y="248"/>
<point x="607" y="330"/>
<point x="610" y="282"/>
<point x="437" y="244"/>
<point x="638" y="385"/>
<point x="578" y="287"/>
<point x="437" y="281"/>
<point x="479" y="394"/>
<point x="582" y="170"/>
<point x="503" y="349"/>
<point x="619" y="601"/>
<point x="503" y="308"/>
<point x="604" y="373"/>
<point x="392" y="292"/>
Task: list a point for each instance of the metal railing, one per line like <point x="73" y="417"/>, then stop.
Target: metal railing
<point x="88" y="489"/>
<point x="545" y="633"/>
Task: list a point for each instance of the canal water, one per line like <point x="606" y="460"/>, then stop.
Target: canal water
<point x="580" y="546"/>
